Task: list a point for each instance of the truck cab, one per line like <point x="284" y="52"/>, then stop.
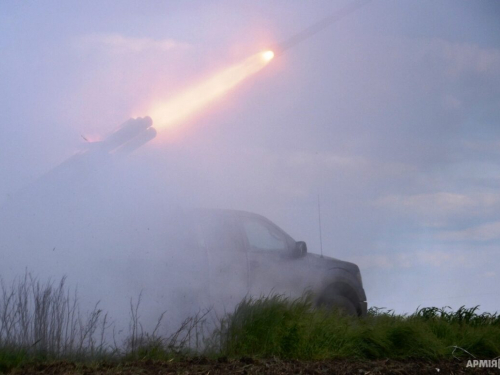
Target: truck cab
<point x="247" y="254"/>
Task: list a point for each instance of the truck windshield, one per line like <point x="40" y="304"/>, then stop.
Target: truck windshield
<point x="263" y="237"/>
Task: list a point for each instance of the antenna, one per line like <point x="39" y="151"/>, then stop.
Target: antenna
<point x="319" y="220"/>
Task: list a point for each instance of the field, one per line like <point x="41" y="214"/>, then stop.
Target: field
<point x="42" y="331"/>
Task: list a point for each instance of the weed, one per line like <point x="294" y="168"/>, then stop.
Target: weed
<point x="42" y="322"/>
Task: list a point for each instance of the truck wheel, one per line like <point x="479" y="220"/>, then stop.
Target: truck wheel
<point x="337" y="301"/>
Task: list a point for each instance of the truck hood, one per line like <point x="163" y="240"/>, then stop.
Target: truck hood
<point x="330" y="263"/>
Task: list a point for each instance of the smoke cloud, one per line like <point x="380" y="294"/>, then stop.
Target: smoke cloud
<point x="390" y="115"/>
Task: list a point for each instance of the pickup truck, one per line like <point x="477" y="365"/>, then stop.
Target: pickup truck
<point x="244" y="251"/>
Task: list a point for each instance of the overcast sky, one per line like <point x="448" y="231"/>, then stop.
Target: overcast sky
<point x="391" y="115"/>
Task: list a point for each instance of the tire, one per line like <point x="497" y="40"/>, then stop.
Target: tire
<point x="338" y="302"/>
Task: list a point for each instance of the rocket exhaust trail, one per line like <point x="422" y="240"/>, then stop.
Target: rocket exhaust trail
<point x="167" y="113"/>
<point x="318" y="26"/>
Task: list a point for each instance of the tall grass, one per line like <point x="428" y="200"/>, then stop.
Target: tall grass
<point x="276" y="326"/>
<point x="43" y="321"/>
<point x="190" y="337"/>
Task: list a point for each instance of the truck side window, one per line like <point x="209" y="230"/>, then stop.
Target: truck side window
<point x="218" y="234"/>
<point x="262" y="236"/>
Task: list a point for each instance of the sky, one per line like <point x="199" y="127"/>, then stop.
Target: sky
<point x="391" y="116"/>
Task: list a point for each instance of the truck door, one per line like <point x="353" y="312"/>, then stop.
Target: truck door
<point x="271" y="265"/>
<point x="219" y="237"/>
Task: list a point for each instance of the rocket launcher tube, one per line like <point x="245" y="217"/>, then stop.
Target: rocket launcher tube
<point x="136" y="142"/>
<point x="126" y="132"/>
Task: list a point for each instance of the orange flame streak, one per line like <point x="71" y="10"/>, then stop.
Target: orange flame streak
<point x="194" y="99"/>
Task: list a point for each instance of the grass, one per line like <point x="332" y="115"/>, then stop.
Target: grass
<point x="275" y="326"/>
<point x="41" y="322"/>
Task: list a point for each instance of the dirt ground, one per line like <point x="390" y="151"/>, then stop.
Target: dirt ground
<point x="258" y="366"/>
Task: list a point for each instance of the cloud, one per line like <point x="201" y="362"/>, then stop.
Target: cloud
<point x="440" y="206"/>
<point x="440" y="258"/>
<point x="327" y="160"/>
<point x="481" y="233"/>
<point x="322" y="162"/>
<point x="119" y="44"/>
<point x="429" y="203"/>
<point x="483" y="147"/>
<point x="297" y="174"/>
<point x="425" y="258"/>
<point x="384" y="261"/>
<point x="465" y="57"/>
<point x="451" y="102"/>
